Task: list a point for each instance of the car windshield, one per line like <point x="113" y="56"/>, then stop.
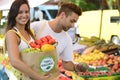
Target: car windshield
<point x="53" y="13"/>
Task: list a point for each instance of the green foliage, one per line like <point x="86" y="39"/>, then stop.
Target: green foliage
<point x="87" y="6"/>
<point x="3" y="25"/>
<point x="84" y="5"/>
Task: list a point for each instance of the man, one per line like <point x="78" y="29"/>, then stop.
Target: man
<point x="68" y="14"/>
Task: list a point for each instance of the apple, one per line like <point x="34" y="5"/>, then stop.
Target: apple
<point x="111" y="56"/>
<point x="115" y="66"/>
<point x="60" y="63"/>
<point x="68" y="73"/>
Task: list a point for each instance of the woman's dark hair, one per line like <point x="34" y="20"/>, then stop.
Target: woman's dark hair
<point x="68" y="8"/>
<point x="13" y="12"/>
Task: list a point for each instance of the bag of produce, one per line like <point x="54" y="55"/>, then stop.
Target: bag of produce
<point x="42" y="58"/>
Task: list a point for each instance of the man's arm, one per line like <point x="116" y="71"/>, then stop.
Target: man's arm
<point x="68" y="65"/>
<point x="80" y="67"/>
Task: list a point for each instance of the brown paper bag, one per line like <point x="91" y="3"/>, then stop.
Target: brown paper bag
<point x="44" y="63"/>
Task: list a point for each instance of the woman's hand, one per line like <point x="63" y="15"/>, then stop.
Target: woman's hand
<point x="41" y="77"/>
<point x="45" y="77"/>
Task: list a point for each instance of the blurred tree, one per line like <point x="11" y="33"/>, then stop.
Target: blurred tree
<point x="0" y="14"/>
<point x="87" y="5"/>
<point x="112" y="4"/>
<point x="84" y="4"/>
<point x="63" y="1"/>
<point x="118" y="4"/>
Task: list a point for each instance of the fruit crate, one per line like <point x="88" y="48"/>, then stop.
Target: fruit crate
<point x="113" y="77"/>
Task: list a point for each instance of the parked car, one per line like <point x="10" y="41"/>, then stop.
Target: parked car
<point x="104" y="24"/>
<point x="49" y="11"/>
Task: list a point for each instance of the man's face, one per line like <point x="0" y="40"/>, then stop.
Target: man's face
<point x="68" y="21"/>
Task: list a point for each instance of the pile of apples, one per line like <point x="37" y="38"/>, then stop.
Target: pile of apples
<point x="44" y="40"/>
<point x="98" y="58"/>
<point x="66" y="75"/>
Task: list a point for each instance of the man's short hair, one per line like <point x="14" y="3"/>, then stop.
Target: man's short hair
<point x="68" y="8"/>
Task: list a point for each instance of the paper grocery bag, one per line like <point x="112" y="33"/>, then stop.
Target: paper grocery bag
<point x="44" y="63"/>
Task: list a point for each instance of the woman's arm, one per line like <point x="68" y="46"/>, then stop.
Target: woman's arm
<point x="12" y="43"/>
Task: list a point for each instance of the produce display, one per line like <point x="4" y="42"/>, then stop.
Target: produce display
<point x="91" y="41"/>
<point x="103" y="60"/>
<point x="4" y="61"/>
<point x="1" y="43"/>
<point x="103" y="63"/>
<point x="67" y="75"/>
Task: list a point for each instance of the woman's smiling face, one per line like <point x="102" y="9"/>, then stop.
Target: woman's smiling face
<point x="23" y="15"/>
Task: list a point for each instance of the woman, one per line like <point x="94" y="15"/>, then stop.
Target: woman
<point x="19" y="22"/>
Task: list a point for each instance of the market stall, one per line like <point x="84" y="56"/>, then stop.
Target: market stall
<point x="101" y="66"/>
<point x="103" y="61"/>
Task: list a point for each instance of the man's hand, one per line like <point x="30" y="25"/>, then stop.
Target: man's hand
<point x="81" y="67"/>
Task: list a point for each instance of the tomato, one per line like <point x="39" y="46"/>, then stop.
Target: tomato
<point x="44" y="43"/>
<point x="44" y="39"/>
<point x="48" y="37"/>
<point x="37" y="46"/>
<point x="32" y="44"/>
<point x="39" y="41"/>
<point x="51" y="41"/>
